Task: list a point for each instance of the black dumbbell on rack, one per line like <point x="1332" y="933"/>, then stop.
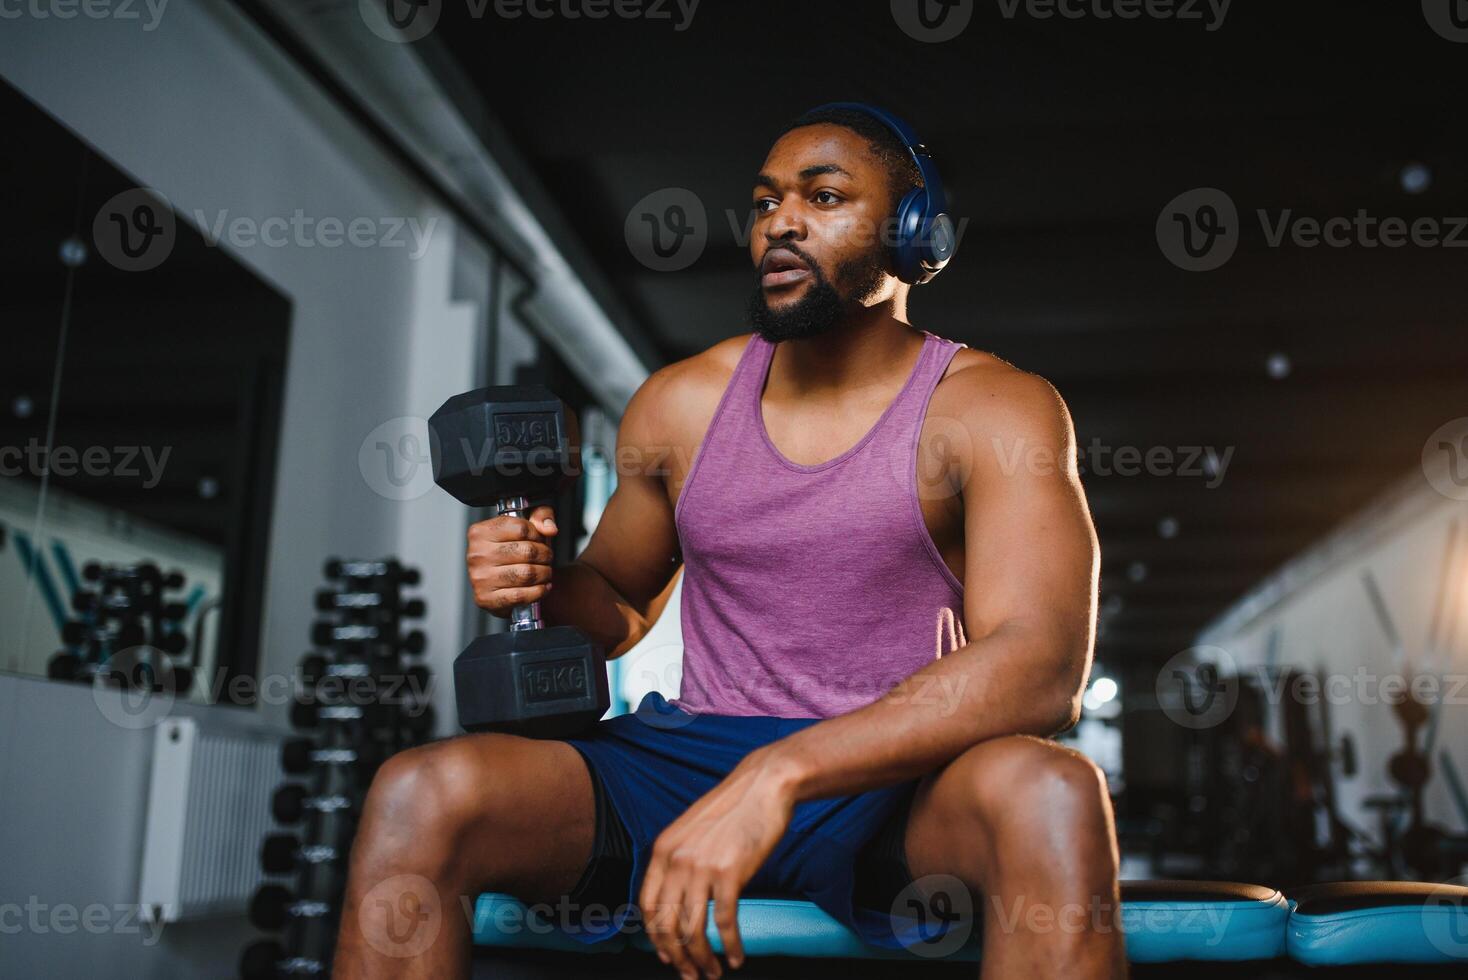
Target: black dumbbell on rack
<point x="268" y="959"/>
<point x="300" y="755"/>
<point x="275" y="906"/>
<point x="284" y="853"/>
<point x="330" y="634"/>
<point x="360" y="571"/>
<point x="293" y="801"/>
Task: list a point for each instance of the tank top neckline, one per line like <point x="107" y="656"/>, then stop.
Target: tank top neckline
<point x="768" y="359"/>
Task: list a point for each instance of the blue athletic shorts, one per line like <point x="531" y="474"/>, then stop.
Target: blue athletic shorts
<point x="845" y="854"/>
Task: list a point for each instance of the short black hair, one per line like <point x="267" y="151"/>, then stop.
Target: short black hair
<point x="902" y="171"/>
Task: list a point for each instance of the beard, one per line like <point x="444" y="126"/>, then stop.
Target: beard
<point x="823" y="306"/>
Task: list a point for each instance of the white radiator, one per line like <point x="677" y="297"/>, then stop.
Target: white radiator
<point x="208" y="812"/>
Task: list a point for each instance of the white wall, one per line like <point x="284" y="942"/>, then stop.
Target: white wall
<point x="205" y="111"/>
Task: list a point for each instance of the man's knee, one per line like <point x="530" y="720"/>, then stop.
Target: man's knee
<point x="1035" y="791"/>
<point x="433" y="793"/>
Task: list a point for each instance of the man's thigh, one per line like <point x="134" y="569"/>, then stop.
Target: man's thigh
<point x="520" y="810"/>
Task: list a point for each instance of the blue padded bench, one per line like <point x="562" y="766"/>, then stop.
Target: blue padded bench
<point x="1356" y="922"/>
<point x="1164" y="921"/>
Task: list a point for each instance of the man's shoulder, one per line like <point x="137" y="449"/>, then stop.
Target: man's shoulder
<point x="988" y="393"/>
<point x="684" y="394"/>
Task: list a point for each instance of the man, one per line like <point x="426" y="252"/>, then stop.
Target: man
<point x="834" y="485"/>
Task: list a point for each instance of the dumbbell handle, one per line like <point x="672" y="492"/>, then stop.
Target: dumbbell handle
<point x="527" y="616"/>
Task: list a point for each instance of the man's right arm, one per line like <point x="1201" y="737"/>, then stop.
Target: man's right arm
<point x="633" y="552"/>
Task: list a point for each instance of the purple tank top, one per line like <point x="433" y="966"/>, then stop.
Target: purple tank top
<point x="808" y="591"/>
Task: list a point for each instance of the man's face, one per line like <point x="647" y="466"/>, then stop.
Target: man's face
<point x="820" y="202"/>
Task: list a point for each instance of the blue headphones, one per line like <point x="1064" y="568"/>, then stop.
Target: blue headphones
<point x="925" y="239"/>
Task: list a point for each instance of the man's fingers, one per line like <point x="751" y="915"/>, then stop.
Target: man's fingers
<point x="519" y="576"/>
<point x="655" y="913"/>
<point x="507" y="527"/>
<point x="726" y="919"/>
<point x="665" y="927"/>
<point x="544" y="519"/>
<point x="694" y="927"/>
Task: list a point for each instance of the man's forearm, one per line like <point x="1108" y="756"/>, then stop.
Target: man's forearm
<point x="583" y="599"/>
<point x="997" y="685"/>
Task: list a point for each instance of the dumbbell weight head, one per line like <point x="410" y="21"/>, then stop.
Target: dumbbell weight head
<point x="299" y="755"/>
<point x="64" y="666"/>
<point x="546" y="683"/>
<point x="492" y="444"/>
<point x="274" y="905"/>
<point x="307" y="715"/>
<point x="291" y="801"/>
<point x="268" y="960"/>
<point x="392" y="569"/>
<point x="284" y="853"/>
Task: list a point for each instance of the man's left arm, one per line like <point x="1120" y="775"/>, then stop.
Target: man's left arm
<point x="1030" y="571"/>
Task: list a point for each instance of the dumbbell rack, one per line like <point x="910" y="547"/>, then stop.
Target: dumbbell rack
<point x="359" y="700"/>
<point x="127" y="630"/>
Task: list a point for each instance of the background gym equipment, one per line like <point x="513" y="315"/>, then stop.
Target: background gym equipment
<point x="128" y="631"/>
<point x="362" y="700"/>
<point x="514" y="447"/>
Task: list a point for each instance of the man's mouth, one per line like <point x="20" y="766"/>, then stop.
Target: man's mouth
<point x="782" y="267"/>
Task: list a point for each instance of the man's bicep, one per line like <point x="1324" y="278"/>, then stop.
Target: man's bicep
<point x="1029" y="544"/>
<point x="635" y="544"/>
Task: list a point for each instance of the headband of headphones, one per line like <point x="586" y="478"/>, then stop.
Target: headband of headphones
<point x="924" y="241"/>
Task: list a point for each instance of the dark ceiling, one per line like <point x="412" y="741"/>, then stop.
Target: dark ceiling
<point x="1062" y="141"/>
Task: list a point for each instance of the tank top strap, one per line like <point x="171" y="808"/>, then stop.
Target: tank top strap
<point x="912" y="402"/>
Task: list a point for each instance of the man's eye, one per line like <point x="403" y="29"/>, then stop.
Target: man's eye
<point x="765" y="205"/>
<point x="830" y="197"/>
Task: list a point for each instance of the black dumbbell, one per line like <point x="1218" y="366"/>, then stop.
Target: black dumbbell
<point x="360" y="570"/>
<point x="298" y="755"/>
<point x="307" y="715"/>
<point x="64" y="666"/>
<point x="138" y="668"/>
<point x="283" y="853"/>
<point x="274" y="905"/>
<point x="326" y="634"/>
<point x="314" y="667"/>
<point x="292" y="801"/>
<point x="506" y="446"/>
<point x="329" y="599"/>
<point x="267" y="960"/>
<point x="92" y="602"/>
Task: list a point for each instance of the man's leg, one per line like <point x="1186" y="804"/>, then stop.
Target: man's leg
<point x="446" y="821"/>
<point x="1027" y="825"/>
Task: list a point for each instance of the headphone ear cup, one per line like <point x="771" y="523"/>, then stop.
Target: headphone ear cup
<point x="906" y="257"/>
